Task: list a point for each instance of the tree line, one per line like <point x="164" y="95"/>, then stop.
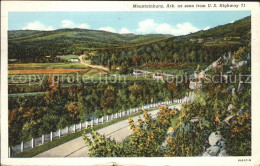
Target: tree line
<point x="32" y="116"/>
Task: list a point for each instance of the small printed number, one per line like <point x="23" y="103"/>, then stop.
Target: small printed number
<point x="243" y="5"/>
<point x="243" y="160"/>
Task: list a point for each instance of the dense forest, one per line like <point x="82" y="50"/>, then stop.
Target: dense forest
<point x="32" y="116"/>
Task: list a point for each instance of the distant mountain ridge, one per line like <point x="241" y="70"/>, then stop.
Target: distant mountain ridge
<point x="78" y="35"/>
<point x="27" y="44"/>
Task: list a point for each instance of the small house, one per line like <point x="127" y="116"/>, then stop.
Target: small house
<point x="137" y="72"/>
<point x="74" y="60"/>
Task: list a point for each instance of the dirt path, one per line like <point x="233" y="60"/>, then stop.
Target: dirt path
<point x="92" y="66"/>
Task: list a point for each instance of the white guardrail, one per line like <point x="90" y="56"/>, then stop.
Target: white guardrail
<point x="24" y="146"/>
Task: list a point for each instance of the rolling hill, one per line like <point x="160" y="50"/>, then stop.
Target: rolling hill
<point x="77" y="35"/>
<point x="33" y="46"/>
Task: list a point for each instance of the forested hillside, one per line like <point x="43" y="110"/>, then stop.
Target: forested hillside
<point x="122" y="50"/>
<point x="33" y="46"/>
<point x="202" y="47"/>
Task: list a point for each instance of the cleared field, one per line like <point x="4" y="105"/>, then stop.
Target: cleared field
<point x="30" y="66"/>
<point x="95" y="72"/>
<point x="46" y="71"/>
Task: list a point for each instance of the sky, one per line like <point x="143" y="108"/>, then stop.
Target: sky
<point x="138" y="22"/>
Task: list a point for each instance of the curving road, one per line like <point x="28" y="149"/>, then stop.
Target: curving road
<point x="93" y="66"/>
<point x="77" y="147"/>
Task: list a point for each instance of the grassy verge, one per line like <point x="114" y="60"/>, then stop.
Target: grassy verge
<point x="56" y="142"/>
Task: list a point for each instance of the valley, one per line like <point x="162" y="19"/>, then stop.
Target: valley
<point x="47" y="91"/>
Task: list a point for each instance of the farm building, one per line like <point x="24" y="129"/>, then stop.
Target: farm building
<point x="137" y="72"/>
<point x="158" y="76"/>
<point x="74" y="60"/>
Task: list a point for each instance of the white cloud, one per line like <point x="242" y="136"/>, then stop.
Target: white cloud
<point x="146" y="26"/>
<point x="231" y="22"/>
<point x="150" y="26"/>
<point x="109" y="29"/>
<point x="71" y="24"/>
<point x="206" y="28"/>
<point x="185" y="28"/>
<point x="124" y="30"/>
<point x="36" y="25"/>
<point x="164" y="28"/>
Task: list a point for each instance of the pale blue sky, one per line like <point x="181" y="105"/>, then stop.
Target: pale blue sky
<point x="176" y="22"/>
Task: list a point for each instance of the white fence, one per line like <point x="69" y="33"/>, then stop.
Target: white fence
<point x="23" y="146"/>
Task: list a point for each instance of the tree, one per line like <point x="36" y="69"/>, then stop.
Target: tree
<point x="109" y="98"/>
<point x="136" y="60"/>
<point x="175" y="57"/>
<point x="73" y="111"/>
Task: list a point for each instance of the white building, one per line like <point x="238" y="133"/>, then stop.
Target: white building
<point x="74" y="60"/>
<point x="137" y="72"/>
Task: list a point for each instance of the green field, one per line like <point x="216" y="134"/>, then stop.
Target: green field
<point x="33" y="66"/>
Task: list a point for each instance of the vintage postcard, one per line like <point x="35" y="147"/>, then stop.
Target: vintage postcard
<point x="130" y="83"/>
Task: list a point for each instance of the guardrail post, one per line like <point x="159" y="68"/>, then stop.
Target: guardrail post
<point x="59" y="133"/>
<point x="107" y="118"/>
<point x="51" y="136"/>
<point x="86" y="124"/>
<point x="74" y="128"/>
<point x="116" y="116"/>
<point x="102" y="119"/>
<point x="80" y="126"/>
<point x="32" y="143"/>
<point x="92" y="122"/>
<point x="21" y="146"/>
<point x="67" y="129"/>
<point x="43" y="139"/>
